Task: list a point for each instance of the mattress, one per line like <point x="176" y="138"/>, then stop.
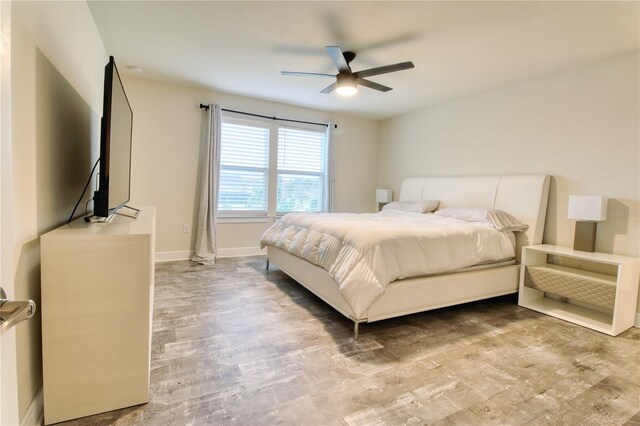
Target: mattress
<point x="365" y="252"/>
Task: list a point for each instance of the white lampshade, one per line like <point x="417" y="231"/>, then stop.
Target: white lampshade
<point x="588" y="207"/>
<point x="384" y="195"/>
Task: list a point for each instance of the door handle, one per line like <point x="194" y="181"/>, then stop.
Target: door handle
<point x="14" y="312"/>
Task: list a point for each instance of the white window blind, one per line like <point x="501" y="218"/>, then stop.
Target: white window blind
<point x="244" y="168"/>
<point x="302" y="170"/>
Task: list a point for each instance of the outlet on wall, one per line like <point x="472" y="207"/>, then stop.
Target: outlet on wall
<point x="186" y="228"/>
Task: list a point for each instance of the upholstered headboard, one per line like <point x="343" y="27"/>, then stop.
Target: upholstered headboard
<point x="523" y="196"/>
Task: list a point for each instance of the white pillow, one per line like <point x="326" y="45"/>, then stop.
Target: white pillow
<point x="500" y="219"/>
<point x="413" y="206"/>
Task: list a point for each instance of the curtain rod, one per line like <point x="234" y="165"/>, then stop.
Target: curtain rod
<point x="206" y="108"/>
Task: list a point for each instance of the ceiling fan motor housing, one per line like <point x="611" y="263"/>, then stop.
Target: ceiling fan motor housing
<point x="346" y="79"/>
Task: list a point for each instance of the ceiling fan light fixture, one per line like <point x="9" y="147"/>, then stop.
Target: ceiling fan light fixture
<point x="347" y="85"/>
<point x="347" y="90"/>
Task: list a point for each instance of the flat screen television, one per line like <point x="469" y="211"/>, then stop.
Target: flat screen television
<point x="114" y="183"/>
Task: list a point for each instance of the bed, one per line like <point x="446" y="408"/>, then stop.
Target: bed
<point x="523" y="196"/>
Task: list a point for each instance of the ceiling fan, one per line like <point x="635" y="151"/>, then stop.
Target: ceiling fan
<point x="347" y="81"/>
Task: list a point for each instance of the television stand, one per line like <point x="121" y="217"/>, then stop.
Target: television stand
<point x="133" y="216"/>
<point x="96" y="307"/>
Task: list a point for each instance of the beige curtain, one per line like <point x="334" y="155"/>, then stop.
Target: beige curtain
<point x="331" y="175"/>
<point x="205" y="249"/>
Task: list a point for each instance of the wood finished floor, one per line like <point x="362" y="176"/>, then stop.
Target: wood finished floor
<point x="235" y="344"/>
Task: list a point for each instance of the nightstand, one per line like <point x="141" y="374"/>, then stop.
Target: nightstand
<point x="595" y="290"/>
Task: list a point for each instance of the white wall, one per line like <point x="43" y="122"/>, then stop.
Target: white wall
<point x="166" y="143"/>
<point x="57" y="71"/>
<point x="581" y="126"/>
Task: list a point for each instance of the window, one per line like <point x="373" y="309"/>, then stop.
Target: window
<point x="301" y="170"/>
<point x="244" y="168"/>
<point x="268" y="169"/>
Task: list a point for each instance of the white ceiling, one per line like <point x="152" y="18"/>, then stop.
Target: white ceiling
<point x="458" y="48"/>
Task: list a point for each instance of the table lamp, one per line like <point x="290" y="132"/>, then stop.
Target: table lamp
<point x="383" y="196"/>
<point x="587" y="211"/>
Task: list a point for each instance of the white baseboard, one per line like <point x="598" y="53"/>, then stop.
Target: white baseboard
<point x="638" y="319"/>
<point x="171" y="256"/>
<point x="35" y="413"/>
<point x="241" y="251"/>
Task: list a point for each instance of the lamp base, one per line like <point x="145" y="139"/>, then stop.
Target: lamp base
<point x="585" y="237"/>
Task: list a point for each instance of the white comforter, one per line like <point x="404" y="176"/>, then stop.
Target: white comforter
<point x="364" y="252"/>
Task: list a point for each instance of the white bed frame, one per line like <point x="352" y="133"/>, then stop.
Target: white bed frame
<point x="523" y="196"/>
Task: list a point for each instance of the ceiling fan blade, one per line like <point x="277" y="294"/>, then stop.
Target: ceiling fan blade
<point x="330" y="88"/>
<point x="371" y="85"/>
<point x="306" y="74"/>
<point x="386" y="69"/>
<point x="338" y="58"/>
